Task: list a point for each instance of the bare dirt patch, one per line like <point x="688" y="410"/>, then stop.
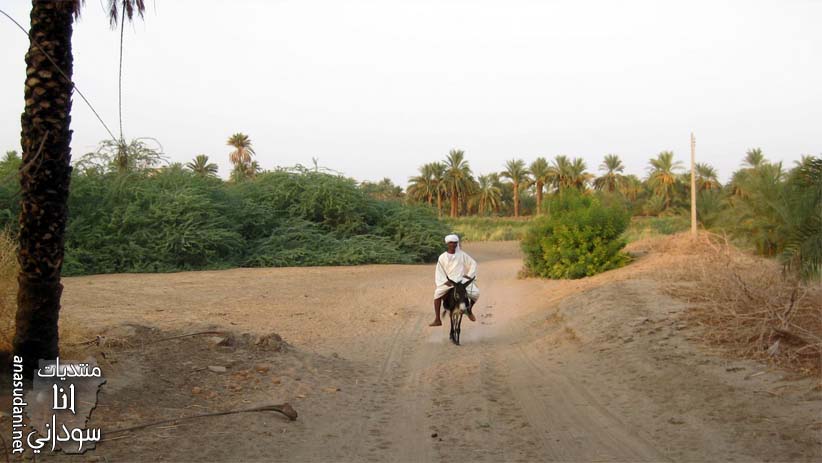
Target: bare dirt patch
<point x="607" y="368"/>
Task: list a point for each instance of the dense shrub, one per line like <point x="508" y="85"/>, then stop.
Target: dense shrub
<point x="802" y="250"/>
<point x="9" y="186"/>
<point x="579" y="237"/>
<point x="779" y="213"/>
<point x="171" y="219"/>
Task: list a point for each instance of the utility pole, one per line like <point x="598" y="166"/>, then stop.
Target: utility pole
<point x="693" y="186"/>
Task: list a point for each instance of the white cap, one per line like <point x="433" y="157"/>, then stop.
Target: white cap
<point x="452" y="239"/>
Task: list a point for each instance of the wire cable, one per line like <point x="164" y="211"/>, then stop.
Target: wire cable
<point x="73" y="85"/>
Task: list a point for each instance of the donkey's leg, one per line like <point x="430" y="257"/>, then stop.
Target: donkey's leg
<point x="459" y="325"/>
<point x="451" y="333"/>
<point x="456" y="319"/>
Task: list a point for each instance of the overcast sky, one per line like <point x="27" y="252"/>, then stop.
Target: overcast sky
<point x="377" y="88"/>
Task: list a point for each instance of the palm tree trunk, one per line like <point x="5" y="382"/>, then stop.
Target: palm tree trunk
<point x="539" y="198"/>
<point x="439" y="203"/>
<point x="44" y="181"/>
<point x="516" y="199"/>
<point x="453" y="202"/>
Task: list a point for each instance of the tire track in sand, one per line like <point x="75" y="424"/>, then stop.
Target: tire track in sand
<point x="376" y="394"/>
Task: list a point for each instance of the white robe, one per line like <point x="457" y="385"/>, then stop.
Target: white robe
<point x="455" y="266"/>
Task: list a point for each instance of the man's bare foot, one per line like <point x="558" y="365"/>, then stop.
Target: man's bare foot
<point x="471" y="316"/>
<point x="435" y="323"/>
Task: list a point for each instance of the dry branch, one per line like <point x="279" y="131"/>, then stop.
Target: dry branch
<point x="746" y="303"/>
<point x="284" y="409"/>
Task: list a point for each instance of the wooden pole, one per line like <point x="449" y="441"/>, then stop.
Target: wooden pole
<point x="693" y="186"/>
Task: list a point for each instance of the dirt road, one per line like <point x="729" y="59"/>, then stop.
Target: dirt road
<point x="601" y="369"/>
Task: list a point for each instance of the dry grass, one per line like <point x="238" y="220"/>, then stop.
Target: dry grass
<point x="746" y="303"/>
<point x="70" y="334"/>
<point x="8" y="288"/>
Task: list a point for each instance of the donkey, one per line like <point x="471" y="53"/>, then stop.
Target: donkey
<point x="457" y="302"/>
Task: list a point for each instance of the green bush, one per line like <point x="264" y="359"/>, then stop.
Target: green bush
<point x="9" y="186"/>
<point x="580" y="237"/>
<point x="171" y="219"/>
<point x="802" y="249"/>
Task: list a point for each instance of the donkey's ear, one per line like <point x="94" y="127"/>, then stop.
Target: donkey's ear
<point x="470" y="280"/>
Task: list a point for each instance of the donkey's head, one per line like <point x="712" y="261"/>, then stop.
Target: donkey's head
<point x="460" y="293"/>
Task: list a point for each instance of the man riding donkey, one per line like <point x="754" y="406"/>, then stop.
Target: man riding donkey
<point x="454" y="265"/>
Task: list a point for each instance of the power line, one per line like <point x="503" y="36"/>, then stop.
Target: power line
<point x="120" y="83"/>
<point x="74" y="86"/>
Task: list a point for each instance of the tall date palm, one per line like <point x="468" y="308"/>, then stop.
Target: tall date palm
<point x="577" y="175"/>
<point x="516" y="172"/>
<point x="612" y="178"/>
<point x="540" y="176"/>
<point x="488" y="195"/>
<point x="457" y="178"/>
<point x="423" y="187"/>
<point x="560" y="173"/>
<point x="662" y="178"/>
<point x="202" y="167"/>
<point x="45" y="173"/>
<point x="243" y="151"/>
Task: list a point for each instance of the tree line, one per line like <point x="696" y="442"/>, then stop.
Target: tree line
<point x="775" y="209"/>
<point x="519" y="188"/>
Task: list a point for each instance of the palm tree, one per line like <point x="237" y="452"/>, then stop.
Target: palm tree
<point x="202" y="167"/>
<point x="457" y="178"/>
<point x="559" y="173"/>
<point x="631" y="187"/>
<point x="612" y="179"/>
<point x="438" y="176"/>
<point x="802" y="252"/>
<point x="45" y="174"/>
<point x="706" y="178"/>
<point x="242" y="172"/>
<point x="754" y="158"/>
<point x="516" y="172"/>
<point x="242" y="149"/>
<point x="488" y="195"/>
<point x="760" y="214"/>
<point x="423" y="187"/>
<point x="577" y="176"/>
<point x="540" y="176"/>
<point x="662" y="177"/>
<point x="384" y="190"/>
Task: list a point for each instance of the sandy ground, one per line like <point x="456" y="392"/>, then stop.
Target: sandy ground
<point x="600" y="369"/>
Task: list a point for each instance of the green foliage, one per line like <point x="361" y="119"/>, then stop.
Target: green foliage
<point x="759" y="216"/>
<point x="710" y="206"/>
<point x="9" y="186"/>
<point x="300" y="242"/>
<point x="414" y="230"/>
<point x="802" y="251"/>
<point x="580" y="237"/>
<point x="384" y="189"/>
<point x="119" y="156"/>
<point x="645" y="227"/>
<point x="489" y="228"/>
<point x="173" y="219"/>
